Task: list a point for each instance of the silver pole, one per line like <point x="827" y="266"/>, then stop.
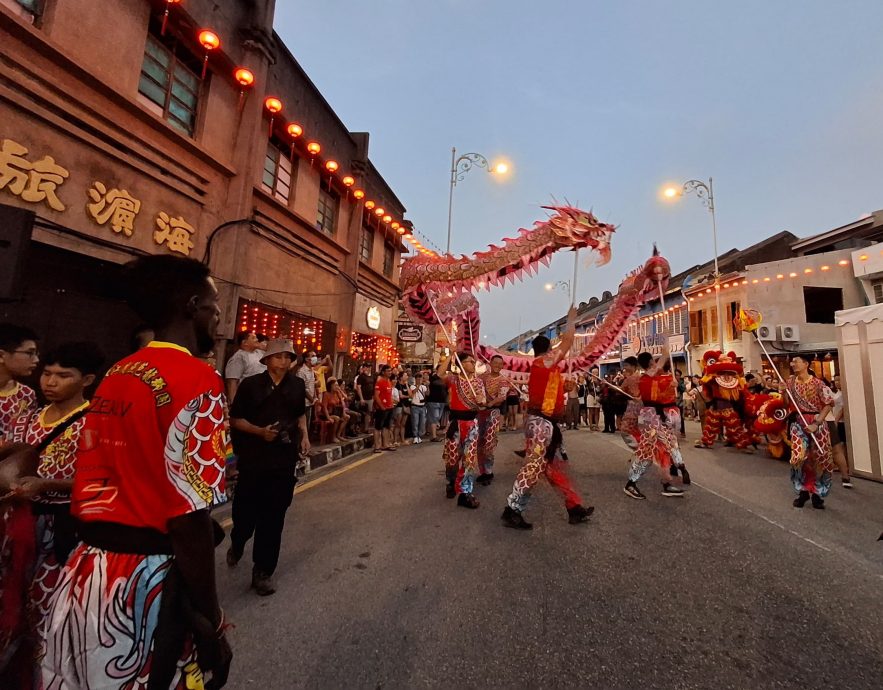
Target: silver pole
<point x="451" y="195"/>
<point x="717" y="274"/>
<point x="573" y="283"/>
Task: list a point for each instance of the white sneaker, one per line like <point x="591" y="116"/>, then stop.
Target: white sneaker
<point x="417" y="440"/>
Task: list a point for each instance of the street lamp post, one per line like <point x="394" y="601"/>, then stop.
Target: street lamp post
<point x="459" y="167"/>
<point x="705" y="192"/>
<point x="563" y="284"/>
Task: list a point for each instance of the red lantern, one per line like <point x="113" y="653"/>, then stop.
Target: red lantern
<point x="369" y="204"/>
<point x="313" y="148"/>
<point x="359" y="194"/>
<point x="294" y="130"/>
<point x="273" y="105"/>
<point x="209" y="41"/>
<point x="165" y="16"/>
<point x="348" y="181"/>
<point x="244" y="76"/>
<point x="331" y="166"/>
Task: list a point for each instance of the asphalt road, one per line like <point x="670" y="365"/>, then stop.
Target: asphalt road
<point x="383" y="583"/>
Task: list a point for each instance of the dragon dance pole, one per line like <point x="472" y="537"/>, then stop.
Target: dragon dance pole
<point x="787" y="390"/>
<point x="573" y="284"/>
<point x="671" y="360"/>
<point x="452" y="344"/>
<point x="612" y="385"/>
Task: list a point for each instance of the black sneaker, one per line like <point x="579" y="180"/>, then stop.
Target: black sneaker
<point x="818" y="502"/>
<point x="801" y="499"/>
<point x="673" y="470"/>
<point x="672" y="491"/>
<point x="450" y="491"/>
<point x="485" y="479"/>
<point x="262" y="584"/>
<point x="579" y="514"/>
<point x="685" y="476"/>
<point x="467" y="501"/>
<point x="846" y="483"/>
<point x="632" y="491"/>
<point x="514" y="519"/>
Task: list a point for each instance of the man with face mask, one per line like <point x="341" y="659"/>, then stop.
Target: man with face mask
<point x="306" y="373"/>
<point x="150" y="465"/>
<point x="490" y="419"/>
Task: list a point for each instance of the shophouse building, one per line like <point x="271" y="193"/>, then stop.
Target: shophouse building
<point x="189" y="129"/>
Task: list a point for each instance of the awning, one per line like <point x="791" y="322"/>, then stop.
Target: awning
<point x="859" y="315"/>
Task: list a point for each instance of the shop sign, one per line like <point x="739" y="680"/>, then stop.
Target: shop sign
<point x="409" y="332"/>
<point x="655" y="344"/>
<point x="37" y="181"/>
<point x="372" y="318"/>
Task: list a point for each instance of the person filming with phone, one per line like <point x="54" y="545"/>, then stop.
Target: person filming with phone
<point x="269" y="427"/>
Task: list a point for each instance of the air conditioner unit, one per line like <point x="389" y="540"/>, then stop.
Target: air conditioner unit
<point x="789" y="333"/>
<point x="767" y="332"/>
<point x="878" y="291"/>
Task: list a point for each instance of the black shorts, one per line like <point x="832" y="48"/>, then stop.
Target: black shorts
<point x="382" y="419"/>
<point x="837" y="432"/>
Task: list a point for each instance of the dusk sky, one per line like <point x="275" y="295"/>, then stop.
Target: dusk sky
<point x="602" y="103"/>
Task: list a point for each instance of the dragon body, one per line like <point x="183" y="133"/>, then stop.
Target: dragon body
<point x="439" y="290"/>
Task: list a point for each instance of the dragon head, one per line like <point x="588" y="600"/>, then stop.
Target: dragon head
<point x="573" y="228"/>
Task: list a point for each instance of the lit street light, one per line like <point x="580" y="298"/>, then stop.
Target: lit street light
<point x="563" y="284"/>
<point x="459" y="167"/>
<point x="705" y="192"/>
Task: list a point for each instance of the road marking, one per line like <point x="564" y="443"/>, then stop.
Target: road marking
<point x="763" y="517"/>
<point x="228" y="522"/>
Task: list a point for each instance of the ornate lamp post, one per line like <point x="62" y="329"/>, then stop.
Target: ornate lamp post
<point x="705" y="192"/>
<point x="459" y="167"/>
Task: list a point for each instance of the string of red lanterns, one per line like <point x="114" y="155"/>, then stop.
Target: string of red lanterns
<point x="245" y="78"/>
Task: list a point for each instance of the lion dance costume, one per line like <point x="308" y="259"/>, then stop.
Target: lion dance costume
<point x="723" y="386"/>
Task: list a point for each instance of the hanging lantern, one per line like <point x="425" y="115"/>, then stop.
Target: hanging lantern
<point x="273" y="105"/>
<point x="369" y="204"/>
<point x="348" y="181"/>
<point x="313" y="148"/>
<point x="245" y="78"/>
<point x="209" y="41"/>
<point x="359" y="194"/>
<point x="331" y="166"/>
<point x="294" y="131"/>
<point x="165" y="16"/>
<point x="400" y="230"/>
<point x="387" y="219"/>
<point x="379" y="211"/>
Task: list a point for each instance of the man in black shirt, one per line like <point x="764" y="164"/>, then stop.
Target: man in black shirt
<point x="268" y="419"/>
<point x="365" y="395"/>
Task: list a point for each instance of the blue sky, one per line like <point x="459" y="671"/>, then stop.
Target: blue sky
<point x="603" y="102"/>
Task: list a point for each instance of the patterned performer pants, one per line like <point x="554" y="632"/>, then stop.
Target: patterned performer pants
<point x="489" y="422"/>
<point x="732" y="425"/>
<point x="810" y="469"/>
<point x="657" y="441"/>
<point x="543" y="458"/>
<point x="460" y="454"/>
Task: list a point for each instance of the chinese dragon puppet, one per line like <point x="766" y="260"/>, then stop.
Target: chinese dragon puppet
<point x="724" y="389"/>
<point x="438" y="290"/>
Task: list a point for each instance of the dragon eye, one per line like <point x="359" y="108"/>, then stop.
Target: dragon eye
<point x="779" y="414"/>
<point x="712" y="361"/>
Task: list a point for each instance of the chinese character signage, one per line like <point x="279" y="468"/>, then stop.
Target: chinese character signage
<point x="38" y="180"/>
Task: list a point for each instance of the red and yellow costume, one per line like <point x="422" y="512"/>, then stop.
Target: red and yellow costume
<point x="723" y="387"/>
<point x="490" y="420"/>
<point x="543" y="438"/>
<point x="153" y="448"/>
<point x="460" y="453"/>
